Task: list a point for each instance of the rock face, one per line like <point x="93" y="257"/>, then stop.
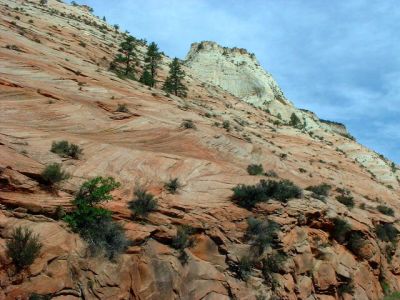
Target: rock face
<point x="235" y="70"/>
<point x="55" y="85"/>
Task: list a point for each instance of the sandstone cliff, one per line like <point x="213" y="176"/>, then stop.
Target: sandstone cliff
<point x="55" y="85"/>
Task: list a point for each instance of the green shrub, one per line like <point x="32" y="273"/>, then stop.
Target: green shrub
<point x="355" y="242"/>
<point x="274" y="263"/>
<point x="346" y="200"/>
<point x="23" y="247"/>
<point x="226" y="125"/>
<point x="53" y="174"/>
<point x="385" y="210"/>
<point x="320" y="190"/>
<point x="143" y="202"/>
<point x="188" y="124"/>
<point x="386" y="232"/>
<point x="95" y="191"/>
<point x="295" y="121"/>
<point x="393" y="296"/>
<point x="254" y="169"/>
<point x="182" y="238"/>
<point x="172" y="185"/>
<point x="340" y="229"/>
<point x="35" y="296"/>
<point x="244" y="266"/>
<point x="94" y="224"/>
<point x="262" y="233"/>
<point x="248" y="196"/>
<point x="65" y="149"/>
<point x="122" y="108"/>
<point x="346" y="288"/>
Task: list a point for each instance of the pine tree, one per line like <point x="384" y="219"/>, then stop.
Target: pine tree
<point x="152" y="60"/>
<point x="127" y="56"/>
<point x="174" y="82"/>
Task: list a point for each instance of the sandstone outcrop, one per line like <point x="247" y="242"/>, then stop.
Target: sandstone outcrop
<point x="55" y="85"/>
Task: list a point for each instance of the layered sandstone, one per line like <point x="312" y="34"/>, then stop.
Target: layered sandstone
<point x="53" y="88"/>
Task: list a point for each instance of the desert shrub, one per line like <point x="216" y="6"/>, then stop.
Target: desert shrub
<point x="355" y="242"/>
<point x="262" y="233"/>
<point x="346" y="200"/>
<point x="188" y="124"/>
<point x="82" y="44"/>
<point x="392" y="296"/>
<point x="122" y="108"/>
<point x="23" y="247"/>
<point x="386" y="232"/>
<point x="274" y="263"/>
<point x="340" y="229"/>
<point x="182" y="238"/>
<point x="95" y="191"/>
<point x="244" y="267"/>
<point x="172" y="185"/>
<point x="226" y="125"/>
<point x="295" y="121"/>
<point x="36" y="296"/>
<point x="346" y="288"/>
<point x="249" y="195"/>
<point x="143" y="202"/>
<point x="65" y="149"/>
<point x="254" y="169"/>
<point x="320" y="190"/>
<point x="271" y="173"/>
<point x="53" y="174"/>
<point x="385" y="210"/>
<point x="94" y="224"/>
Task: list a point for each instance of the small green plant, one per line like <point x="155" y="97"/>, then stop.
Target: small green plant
<point x="53" y="174"/>
<point x="386" y="232"/>
<point x="320" y="191"/>
<point x="295" y="121"/>
<point x="392" y="296"/>
<point x="355" y="242"/>
<point x="346" y="200"/>
<point x="82" y="44"/>
<point x="274" y="262"/>
<point x="65" y="149"/>
<point x="226" y="125"/>
<point x="172" y="185"/>
<point x="346" y="288"/>
<point x="143" y="202"/>
<point x="248" y="196"/>
<point x="340" y="229"/>
<point x="254" y="169"/>
<point x="182" y="238"/>
<point x="385" y="210"/>
<point x="188" y="124"/>
<point x="122" y="108"/>
<point x="23" y="247"/>
<point x="262" y="233"/>
<point x="36" y="296"/>
<point x="243" y="268"/>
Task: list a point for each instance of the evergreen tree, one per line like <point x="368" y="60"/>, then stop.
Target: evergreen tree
<point x="126" y="56"/>
<point x="152" y="60"/>
<point x="174" y="82"/>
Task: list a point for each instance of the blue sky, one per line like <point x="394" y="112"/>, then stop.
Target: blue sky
<point x="340" y="59"/>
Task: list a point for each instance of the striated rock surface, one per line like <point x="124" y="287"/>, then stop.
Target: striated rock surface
<point x="55" y="85"/>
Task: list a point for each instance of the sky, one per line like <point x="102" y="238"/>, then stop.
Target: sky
<point x="339" y="59"/>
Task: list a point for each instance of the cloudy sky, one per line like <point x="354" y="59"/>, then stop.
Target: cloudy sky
<point x="340" y="59"/>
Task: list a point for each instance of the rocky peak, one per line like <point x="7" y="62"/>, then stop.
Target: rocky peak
<point x="235" y="70"/>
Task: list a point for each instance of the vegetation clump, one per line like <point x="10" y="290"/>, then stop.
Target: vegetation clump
<point x="386" y="232"/>
<point x="66" y="149"/>
<point x="188" y="124"/>
<point x="345" y="198"/>
<point x="172" y="185"/>
<point x="93" y="223"/>
<point x="295" y="121"/>
<point x="248" y="196"/>
<point x="182" y="238"/>
<point x="262" y="233"/>
<point x="143" y="202"/>
<point x="385" y="210"/>
<point x="355" y="242"/>
<point x="122" y="108"/>
<point x="243" y="268"/>
<point x="254" y="169"/>
<point x="319" y="191"/>
<point x="174" y="82"/>
<point x="53" y="174"/>
<point x="340" y="229"/>
<point x="23" y="247"/>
